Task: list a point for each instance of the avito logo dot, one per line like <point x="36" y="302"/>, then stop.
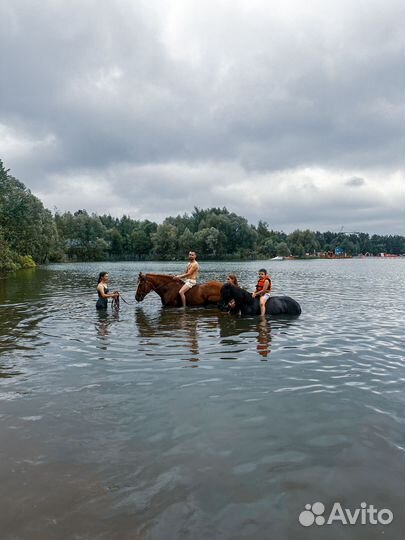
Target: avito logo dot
<point x="312" y="514"/>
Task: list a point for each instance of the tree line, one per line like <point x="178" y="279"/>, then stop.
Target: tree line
<point x="30" y="234"/>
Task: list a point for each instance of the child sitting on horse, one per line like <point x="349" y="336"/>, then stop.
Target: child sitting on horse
<point x="263" y="288"/>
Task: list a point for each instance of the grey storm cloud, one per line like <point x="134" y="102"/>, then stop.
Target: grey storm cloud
<point x="355" y="182"/>
<point x="204" y="103"/>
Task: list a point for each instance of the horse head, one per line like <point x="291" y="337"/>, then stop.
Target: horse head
<point x="226" y="293"/>
<point x="235" y="298"/>
<point x="227" y="296"/>
<point x="143" y="288"/>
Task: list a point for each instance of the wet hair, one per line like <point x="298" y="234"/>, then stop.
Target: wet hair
<point x="101" y="275"/>
<point x="233" y="279"/>
<point x="263" y="270"/>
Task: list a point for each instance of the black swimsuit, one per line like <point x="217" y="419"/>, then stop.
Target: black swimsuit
<point x="102" y="303"/>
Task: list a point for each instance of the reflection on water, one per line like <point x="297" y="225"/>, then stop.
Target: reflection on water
<point x="233" y="326"/>
<point x="264" y="339"/>
<point x="106" y="433"/>
<point x="167" y="323"/>
<point x="7" y="372"/>
<point x="103" y="324"/>
<point x="186" y="326"/>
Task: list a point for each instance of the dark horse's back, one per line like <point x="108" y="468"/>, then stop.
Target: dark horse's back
<point x="282" y="305"/>
<point x="204" y="294"/>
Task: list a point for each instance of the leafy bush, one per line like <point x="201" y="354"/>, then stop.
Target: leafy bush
<point x="26" y="261"/>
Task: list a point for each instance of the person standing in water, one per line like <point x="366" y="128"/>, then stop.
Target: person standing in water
<point x="102" y="291"/>
<point x="233" y="280"/>
<point x="189" y="277"/>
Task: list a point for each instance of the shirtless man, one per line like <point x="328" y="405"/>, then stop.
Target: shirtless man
<point x="189" y="277"/>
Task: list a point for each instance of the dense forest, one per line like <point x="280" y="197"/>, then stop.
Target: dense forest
<point x="30" y="234"/>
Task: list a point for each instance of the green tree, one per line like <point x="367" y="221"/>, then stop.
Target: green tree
<point x="282" y="250"/>
<point x="27" y="227"/>
<point x="84" y="237"/>
<point x="267" y="248"/>
<point x="207" y="241"/>
<point x="141" y="243"/>
<point x="116" y="242"/>
<point x="165" y="241"/>
<point x="7" y="257"/>
<point x="187" y="242"/>
<point x="302" y="242"/>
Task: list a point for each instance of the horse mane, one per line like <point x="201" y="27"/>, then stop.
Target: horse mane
<point x="241" y="296"/>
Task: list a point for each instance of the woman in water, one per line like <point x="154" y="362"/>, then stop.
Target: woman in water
<point x="232" y="279"/>
<point x="102" y="291"/>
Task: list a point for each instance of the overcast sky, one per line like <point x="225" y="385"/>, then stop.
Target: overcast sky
<point x="289" y="111"/>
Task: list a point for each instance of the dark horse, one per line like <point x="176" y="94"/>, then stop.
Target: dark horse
<point x="247" y="305"/>
<point x="167" y="287"/>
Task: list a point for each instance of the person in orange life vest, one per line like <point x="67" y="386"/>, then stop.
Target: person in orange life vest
<point x="263" y="289"/>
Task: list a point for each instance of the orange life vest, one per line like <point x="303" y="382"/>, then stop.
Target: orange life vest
<point x="260" y="284"/>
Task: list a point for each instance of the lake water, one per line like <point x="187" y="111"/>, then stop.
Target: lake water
<point x="158" y="424"/>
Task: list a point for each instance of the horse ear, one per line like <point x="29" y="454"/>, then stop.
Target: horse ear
<point x="140" y="275"/>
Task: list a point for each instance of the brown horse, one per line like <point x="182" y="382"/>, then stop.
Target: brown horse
<point x="167" y="287"/>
